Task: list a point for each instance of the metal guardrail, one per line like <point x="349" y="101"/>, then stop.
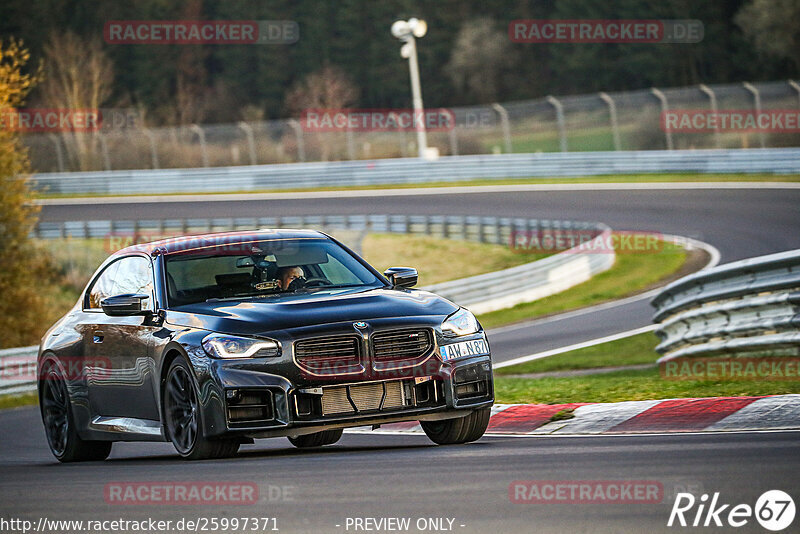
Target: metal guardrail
<point x="18" y="370"/>
<point x="480" y="293"/>
<point x="416" y="171"/>
<point x="746" y="308"/>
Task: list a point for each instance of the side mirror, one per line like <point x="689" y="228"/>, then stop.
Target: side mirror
<point x="125" y="305"/>
<point x="401" y="276"/>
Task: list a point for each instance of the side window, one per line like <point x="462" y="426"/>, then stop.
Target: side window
<point x="128" y="275"/>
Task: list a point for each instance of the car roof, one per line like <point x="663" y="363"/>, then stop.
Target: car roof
<point x="180" y="244"/>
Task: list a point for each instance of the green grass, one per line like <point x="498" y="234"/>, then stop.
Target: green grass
<point x="633" y="350"/>
<point x="617" y="386"/>
<point x="625" y="386"/>
<point x="439" y="260"/>
<point x="631" y="273"/>
<point x="14" y="401"/>
<point x="623" y="178"/>
<point x="582" y="140"/>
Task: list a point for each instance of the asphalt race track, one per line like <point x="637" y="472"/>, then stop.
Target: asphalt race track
<point x="382" y="476"/>
<point x="407" y="476"/>
<point x="741" y="223"/>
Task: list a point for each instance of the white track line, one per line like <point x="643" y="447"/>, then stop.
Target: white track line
<point x="590" y="343"/>
<point x="416" y="191"/>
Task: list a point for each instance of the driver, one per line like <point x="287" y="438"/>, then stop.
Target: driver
<point x="287" y="275"/>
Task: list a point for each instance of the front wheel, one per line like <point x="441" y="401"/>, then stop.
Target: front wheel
<point x="59" y="426"/>
<point x="317" y="439"/>
<point x="460" y="430"/>
<point x="182" y="417"/>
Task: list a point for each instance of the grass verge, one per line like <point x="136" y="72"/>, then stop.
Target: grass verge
<point x="631" y="274"/>
<point x="617" y="386"/>
<point x="439" y="260"/>
<point x="14" y="401"/>
<point x="626" y="386"/>
<point x="633" y="350"/>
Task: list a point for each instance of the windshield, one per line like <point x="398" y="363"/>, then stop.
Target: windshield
<point x="263" y="269"/>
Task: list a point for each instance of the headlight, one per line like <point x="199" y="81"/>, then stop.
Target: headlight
<point x="461" y="323"/>
<point x="223" y="346"/>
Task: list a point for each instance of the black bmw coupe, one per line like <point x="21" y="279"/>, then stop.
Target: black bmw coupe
<point x="212" y="341"/>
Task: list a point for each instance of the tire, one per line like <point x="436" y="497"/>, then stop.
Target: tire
<point x="59" y="425"/>
<point x="317" y="439"/>
<point x="182" y="420"/>
<point x="461" y="430"/>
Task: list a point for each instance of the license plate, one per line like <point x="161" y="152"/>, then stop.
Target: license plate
<point x="475" y="347"/>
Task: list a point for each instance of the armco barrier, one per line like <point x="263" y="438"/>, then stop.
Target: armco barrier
<point x="17" y="369"/>
<point x="480" y="293"/>
<point x="416" y="171"/>
<point x="749" y="307"/>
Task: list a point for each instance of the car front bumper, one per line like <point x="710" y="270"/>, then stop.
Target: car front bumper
<point x="243" y="401"/>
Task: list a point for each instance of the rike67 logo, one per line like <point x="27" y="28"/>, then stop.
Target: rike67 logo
<point x="774" y="510"/>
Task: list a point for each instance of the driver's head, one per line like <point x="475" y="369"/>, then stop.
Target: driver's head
<point x="286" y="275"/>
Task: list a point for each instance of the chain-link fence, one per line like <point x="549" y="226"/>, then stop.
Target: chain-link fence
<point x="615" y="121"/>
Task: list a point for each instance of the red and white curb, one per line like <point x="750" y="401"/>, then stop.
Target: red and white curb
<point x="778" y="412"/>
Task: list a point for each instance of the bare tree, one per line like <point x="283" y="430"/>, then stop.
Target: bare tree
<point x="480" y="54"/>
<point x="78" y="76"/>
<point x="328" y="88"/>
<point x="773" y="26"/>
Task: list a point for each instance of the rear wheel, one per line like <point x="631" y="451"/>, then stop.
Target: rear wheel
<point x="59" y="426"/>
<point x="182" y="417"/>
<point x="460" y="430"/>
<point x="317" y="439"/>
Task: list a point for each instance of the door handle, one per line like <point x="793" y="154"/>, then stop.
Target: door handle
<point x="98" y="336"/>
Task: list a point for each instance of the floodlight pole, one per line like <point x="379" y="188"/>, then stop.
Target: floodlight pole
<point x="416" y="97"/>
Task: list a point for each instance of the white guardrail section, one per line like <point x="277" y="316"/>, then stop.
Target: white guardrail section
<point x="18" y="370"/>
<point x="416" y="171"/>
<point x="746" y="308"/>
<point x="482" y="293"/>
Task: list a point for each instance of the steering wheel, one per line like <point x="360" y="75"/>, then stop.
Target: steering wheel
<point x="318" y="282"/>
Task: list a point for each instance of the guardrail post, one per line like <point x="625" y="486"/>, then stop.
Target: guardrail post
<point x="505" y="125"/>
<point x="794" y="85"/>
<point x="713" y="101"/>
<point x="104" y="150"/>
<point x="453" y="141"/>
<point x="757" y="106"/>
<point x="153" y="151"/>
<point x="351" y="148"/>
<point x="298" y="132"/>
<point x="201" y="135"/>
<point x="612" y="113"/>
<point x="562" y="129"/>
<point x="251" y="143"/>
<point x="664" y="108"/>
<point x="59" y="154"/>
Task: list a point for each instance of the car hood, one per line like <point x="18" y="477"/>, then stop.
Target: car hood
<point x="255" y="316"/>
